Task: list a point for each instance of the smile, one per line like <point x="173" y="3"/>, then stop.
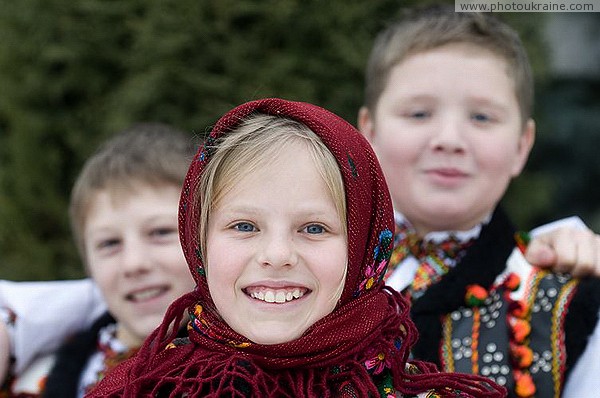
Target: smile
<point x="278" y="296"/>
<point x="447" y="172"/>
<point x="146" y="294"/>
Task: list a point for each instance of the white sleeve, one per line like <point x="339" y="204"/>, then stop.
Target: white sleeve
<point x="571" y="222"/>
<point x="47" y="313"/>
<point x="584" y="380"/>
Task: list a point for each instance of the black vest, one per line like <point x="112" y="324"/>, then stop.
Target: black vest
<point x="446" y="324"/>
<point x="71" y="359"/>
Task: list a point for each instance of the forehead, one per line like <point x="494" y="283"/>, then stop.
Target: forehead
<point x="453" y="69"/>
<point x="455" y="55"/>
<point x="119" y="192"/>
<point x="141" y="200"/>
<point x="288" y="171"/>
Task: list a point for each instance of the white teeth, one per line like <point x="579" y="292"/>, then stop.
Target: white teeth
<point x="146" y="294"/>
<point x="270" y="297"/>
<point x="277" y="296"/>
<point x="280" y="297"/>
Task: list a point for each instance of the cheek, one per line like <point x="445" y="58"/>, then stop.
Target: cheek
<point x="221" y="286"/>
<point x="102" y="271"/>
<point x="395" y="149"/>
<point x="398" y="162"/>
<point x="498" y="158"/>
<point x="333" y="276"/>
<point x="105" y="275"/>
<point x="221" y="273"/>
<point x="175" y="263"/>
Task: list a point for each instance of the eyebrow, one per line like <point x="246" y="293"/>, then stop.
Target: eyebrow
<point x="309" y="211"/>
<point x="487" y="101"/>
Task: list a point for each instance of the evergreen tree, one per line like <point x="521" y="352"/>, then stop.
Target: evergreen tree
<point x="74" y="72"/>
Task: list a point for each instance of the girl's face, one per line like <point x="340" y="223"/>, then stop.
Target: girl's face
<point x="276" y="251"/>
<point x="135" y="257"/>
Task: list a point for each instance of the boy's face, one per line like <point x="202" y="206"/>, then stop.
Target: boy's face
<point x="135" y="257"/>
<point x="448" y="133"/>
<point x="276" y="250"/>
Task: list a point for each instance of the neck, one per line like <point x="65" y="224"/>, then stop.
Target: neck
<point x="435" y="232"/>
<point x="127" y="337"/>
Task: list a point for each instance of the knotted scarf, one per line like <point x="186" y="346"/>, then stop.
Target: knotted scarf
<point x="362" y="345"/>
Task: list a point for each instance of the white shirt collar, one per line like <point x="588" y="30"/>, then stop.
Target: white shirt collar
<point x="440" y="236"/>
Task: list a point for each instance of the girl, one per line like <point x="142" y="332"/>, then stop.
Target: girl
<point x="285" y="221"/>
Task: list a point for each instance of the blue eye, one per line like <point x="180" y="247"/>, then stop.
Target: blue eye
<point x="420" y="114"/>
<point x="314" y="229"/>
<point x="480" y="117"/>
<point x="244" y="227"/>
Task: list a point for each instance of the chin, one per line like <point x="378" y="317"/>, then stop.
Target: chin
<point x="274" y="338"/>
<point x="147" y="326"/>
<point x="447" y="211"/>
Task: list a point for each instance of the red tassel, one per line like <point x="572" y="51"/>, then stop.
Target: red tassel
<point x="475" y="295"/>
<point x="521" y="355"/>
<point x="518" y="309"/>
<point x="524" y="386"/>
<point x="520" y="330"/>
<point x="512" y="282"/>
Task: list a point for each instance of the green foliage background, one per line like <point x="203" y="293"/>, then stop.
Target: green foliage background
<point x="73" y="72"/>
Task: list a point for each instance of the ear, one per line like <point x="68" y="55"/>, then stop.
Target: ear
<point x="365" y="123"/>
<point x="525" y="144"/>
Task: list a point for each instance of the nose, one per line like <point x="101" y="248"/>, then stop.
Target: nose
<point x="278" y="250"/>
<point x="449" y="136"/>
<point x="135" y="258"/>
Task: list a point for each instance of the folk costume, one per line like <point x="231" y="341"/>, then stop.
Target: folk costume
<point x="79" y="302"/>
<point x="75" y="368"/>
<point x="480" y="308"/>
<point x="85" y="358"/>
<point x="35" y="355"/>
<point x="360" y="349"/>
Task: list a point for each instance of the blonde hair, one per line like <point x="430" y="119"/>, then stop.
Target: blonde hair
<point x="424" y="29"/>
<point x="147" y="154"/>
<point x="249" y="147"/>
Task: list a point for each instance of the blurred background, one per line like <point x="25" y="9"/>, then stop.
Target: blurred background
<point x="73" y="72"/>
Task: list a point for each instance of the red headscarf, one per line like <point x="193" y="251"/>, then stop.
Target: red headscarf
<point x="362" y="345"/>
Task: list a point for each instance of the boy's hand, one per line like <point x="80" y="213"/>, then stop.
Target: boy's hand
<point x="567" y="250"/>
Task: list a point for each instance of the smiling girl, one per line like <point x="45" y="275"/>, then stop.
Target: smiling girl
<point x="285" y="221"/>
